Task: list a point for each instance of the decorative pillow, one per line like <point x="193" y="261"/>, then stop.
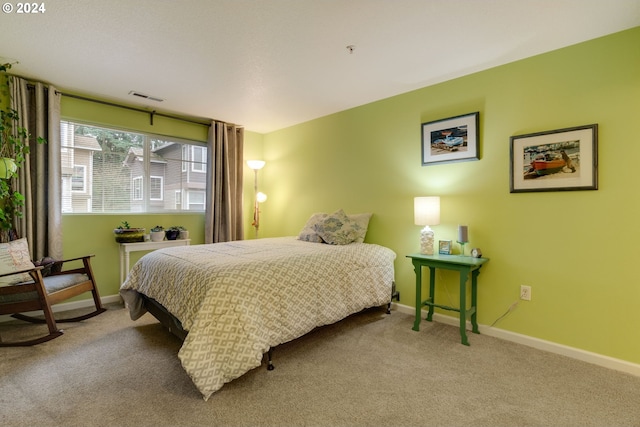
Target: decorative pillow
<point x="337" y="229"/>
<point x="361" y="225"/>
<point x="14" y="256"/>
<point x="49" y="265"/>
<point x="308" y="233"/>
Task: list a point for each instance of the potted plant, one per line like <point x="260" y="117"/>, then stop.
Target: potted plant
<point x="127" y="234"/>
<point x="157" y="233"/>
<point x="184" y="233"/>
<point x="14" y="149"/>
<point x="173" y="232"/>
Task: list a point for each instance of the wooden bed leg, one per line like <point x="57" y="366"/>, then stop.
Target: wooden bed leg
<point x="270" y="366"/>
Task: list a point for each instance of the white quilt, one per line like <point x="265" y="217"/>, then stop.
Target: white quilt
<point x="238" y="299"/>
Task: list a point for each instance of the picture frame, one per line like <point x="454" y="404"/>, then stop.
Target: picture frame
<point x="556" y="160"/>
<point x="454" y="139"/>
<point x="444" y="247"/>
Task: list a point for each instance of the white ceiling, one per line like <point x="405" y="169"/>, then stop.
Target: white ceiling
<point x="269" y="64"/>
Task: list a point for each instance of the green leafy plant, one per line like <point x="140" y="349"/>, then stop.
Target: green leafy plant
<point x="14" y="149"/>
<point x="125" y="226"/>
<point x="157" y="228"/>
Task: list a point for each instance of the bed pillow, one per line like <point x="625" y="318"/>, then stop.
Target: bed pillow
<point x="308" y="233"/>
<point x="14" y="256"/>
<point x="362" y="224"/>
<point x="337" y="229"/>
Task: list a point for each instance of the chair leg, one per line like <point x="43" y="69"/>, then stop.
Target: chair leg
<point x="34" y="341"/>
<point x="69" y="320"/>
<point x="54" y="332"/>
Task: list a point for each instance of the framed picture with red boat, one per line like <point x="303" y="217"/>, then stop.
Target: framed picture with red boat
<point x="451" y="140"/>
<point x="555" y="160"/>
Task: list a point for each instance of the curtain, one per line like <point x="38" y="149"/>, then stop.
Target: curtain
<point x="39" y="180"/>
<point x="223" y="217"/>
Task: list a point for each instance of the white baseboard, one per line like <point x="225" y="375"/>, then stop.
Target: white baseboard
<point x="574" y="353"/>
<point x="66" y="306"/>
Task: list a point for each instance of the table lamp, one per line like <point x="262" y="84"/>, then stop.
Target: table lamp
<point x="426" y="211"/>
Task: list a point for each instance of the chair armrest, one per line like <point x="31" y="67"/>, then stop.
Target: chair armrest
<point x="62" y="261"/>
<point x="29" y="270"/>
<point x="81" y="270"/>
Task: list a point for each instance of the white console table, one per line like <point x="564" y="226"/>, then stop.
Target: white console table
<point x="127" y="248"/>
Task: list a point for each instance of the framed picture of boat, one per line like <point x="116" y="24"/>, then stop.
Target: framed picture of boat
<point x="451" y="140"/>
<point x="556" y="160"/>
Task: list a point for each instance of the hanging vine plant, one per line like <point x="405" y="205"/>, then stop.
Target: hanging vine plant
<point x="14" y="149"/>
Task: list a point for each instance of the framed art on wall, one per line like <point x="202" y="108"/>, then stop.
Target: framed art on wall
<point x="556" y="160"/>
<point x="451" y="140"/>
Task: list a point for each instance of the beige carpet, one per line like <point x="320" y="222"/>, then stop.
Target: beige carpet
<point x="368" y="370"/>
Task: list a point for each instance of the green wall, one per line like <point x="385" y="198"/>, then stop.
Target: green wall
<point x="575" y="249"/>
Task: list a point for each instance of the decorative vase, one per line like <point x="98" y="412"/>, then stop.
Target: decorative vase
<point x="129" y="235"/>
<point x="172" y="234"/>
<point x="7" y="167"/>
<point x="157" y="236"/>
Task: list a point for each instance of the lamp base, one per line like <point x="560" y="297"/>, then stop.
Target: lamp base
<point x="462" y="247"/>
<point x="426" y="241"/>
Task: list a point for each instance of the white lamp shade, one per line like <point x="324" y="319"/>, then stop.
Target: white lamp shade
<point x="426" y="210"/>
<point x="256" y="164"/>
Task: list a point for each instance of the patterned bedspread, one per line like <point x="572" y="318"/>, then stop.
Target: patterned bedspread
<point x="238" y="299"/>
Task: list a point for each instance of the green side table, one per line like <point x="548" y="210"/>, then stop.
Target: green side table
<point x="465" y="266"/>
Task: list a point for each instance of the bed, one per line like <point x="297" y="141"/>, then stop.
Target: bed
<point x="235" y="301"/>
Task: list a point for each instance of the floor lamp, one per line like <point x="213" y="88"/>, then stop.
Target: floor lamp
<point x="256" y="165"/>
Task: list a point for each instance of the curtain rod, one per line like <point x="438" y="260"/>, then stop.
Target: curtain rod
<point x="140" y="110"/>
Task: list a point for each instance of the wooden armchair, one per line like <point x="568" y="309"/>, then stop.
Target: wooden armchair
<point x="42" y="292"/>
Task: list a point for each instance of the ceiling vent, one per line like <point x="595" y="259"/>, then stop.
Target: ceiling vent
<point x="142" y="95"/>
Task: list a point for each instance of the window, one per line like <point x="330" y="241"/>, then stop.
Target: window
<point x="179" y="199"/>
<point x="199" y="156"/>
<point x="137" y="188"/>
<point x="78" y="179"/>
<point x="108" y="170"/>
<point x="196" y="200"/>
<point x="155" y="190"/>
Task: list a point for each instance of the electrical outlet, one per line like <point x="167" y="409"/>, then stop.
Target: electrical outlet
<point x="525" y="292"/>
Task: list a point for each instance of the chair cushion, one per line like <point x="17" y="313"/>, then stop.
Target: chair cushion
<point x="62" y="281"/>
<point x="51" y="283"/>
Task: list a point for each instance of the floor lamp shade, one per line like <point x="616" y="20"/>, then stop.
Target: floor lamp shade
<point x="426" y="211"/>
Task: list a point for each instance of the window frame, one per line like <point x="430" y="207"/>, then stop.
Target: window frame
<point x="139" y="185"/>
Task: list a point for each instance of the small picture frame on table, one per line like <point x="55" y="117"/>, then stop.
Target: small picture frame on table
<point x="444" y="247"/>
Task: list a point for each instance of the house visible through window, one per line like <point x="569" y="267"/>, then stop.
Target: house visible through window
<point x="79" y="177"/>
<point x="108" y="170"/>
